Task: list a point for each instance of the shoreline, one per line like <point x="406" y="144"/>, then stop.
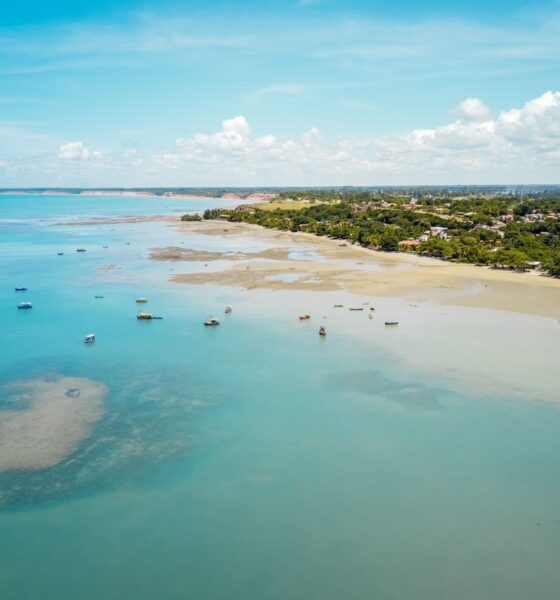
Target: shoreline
<point x="333" y="266"/>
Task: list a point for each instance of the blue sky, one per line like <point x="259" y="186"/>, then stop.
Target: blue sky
<point x="310" y="92"/>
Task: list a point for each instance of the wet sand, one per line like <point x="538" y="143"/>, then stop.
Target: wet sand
<point x="342" y="266"/>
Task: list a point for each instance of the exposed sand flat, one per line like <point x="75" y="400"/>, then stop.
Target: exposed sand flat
<point x="176" y="253"/>
<point x="396" y="274"/>
<point x="50" y="418"/>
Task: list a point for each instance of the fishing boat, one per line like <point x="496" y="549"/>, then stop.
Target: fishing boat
<point x="228" y="309"/>
<point x="144" y="316"/>
<point x="356" y="308"/>
<point x="338" y="305"/>
<point x="90" y="338"/>
<point x="322" y="331"/>
<point x="371" y="308"/>
<point x="390" y="323"/>
<point x="98" y="297"/>
<point x="80" y="249"/>
<point x="24" y="305"/>
<point x="141" y="300"/>
<point x="212" y="322"/>
<point x="304" y="317"/>
<point x="21" y="289"/>
<point x="61" y="254"/>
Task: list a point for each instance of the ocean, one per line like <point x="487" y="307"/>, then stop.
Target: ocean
<point x="257" y="460"/>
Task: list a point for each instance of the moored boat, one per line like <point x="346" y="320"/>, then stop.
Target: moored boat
<point x="141" y="300"/>
<point x="24" y="305"/>
<point x="80" y="249"/>
<point x="21" y="289"/>
<point x="60" y="253"/>
<point x="356" y="308"/>
<point x="338" y="305"/>
<point x="305" y="317"/>
<point x="144" y="316"/>
<point x="391" y="322"/>
<point x="322" y="331"/>
<point x="90" y="338"/>
<point x="228" y="309"/>
<point x="212" y="322"/>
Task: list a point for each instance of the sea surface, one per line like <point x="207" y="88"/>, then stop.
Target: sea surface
<point x="257" y="460"/>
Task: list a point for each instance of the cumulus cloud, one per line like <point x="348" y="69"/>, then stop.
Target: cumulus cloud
<point x="519" y="143"/>
<point x="472" y="109"/>
<point x="77" y="151"/>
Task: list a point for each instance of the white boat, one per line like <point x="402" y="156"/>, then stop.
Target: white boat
<point x="212" y="322"/>
<point x="322" y="331"/>
<point x="25" y="305"/>
<point x="90" y="337"/>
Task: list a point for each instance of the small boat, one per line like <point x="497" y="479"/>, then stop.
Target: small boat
<point x="371" y="308"/>
<point x="60" y="253"/>
<point x="304" y="317"/>
<point x="228" y="309"/>
<point x="212" y="322"/>
<point x="98" y="297"/>
<point x="144" y="316"/>
<point x="356" y="308"/>
<point x="21" y="289"/>
<point x="90" y="338"/>
<point x="370" y="315"/>
<point x="322" y="331"/>
<point x="80" y="249"/>
<point x="391" y="322"/>
<point x="25" y="305"/>
<point x="141" y="300"/>
<point x="338" y="305"/>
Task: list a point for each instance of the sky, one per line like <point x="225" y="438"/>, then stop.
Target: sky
<point x="285" y="93"/>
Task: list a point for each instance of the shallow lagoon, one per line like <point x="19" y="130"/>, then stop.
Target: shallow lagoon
<point x="257" y="460"/>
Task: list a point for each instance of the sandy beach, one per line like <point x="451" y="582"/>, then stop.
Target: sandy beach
<point x="329" y="265"/>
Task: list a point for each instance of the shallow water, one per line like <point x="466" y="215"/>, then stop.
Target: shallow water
<point x="257" y="460"/>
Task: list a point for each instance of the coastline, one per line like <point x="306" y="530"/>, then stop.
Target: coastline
<point x="328" y="265"/>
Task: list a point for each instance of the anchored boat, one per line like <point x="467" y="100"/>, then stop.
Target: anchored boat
<point x="21" y="289"/>
<point x="228" y="309"/>
<point x="80" y="249"/>
<point x="212" y="322"/>
<point x="322" y="331"/>
<point x="305" y="317"/>
<point x="141" y="300"/>
<point x="90" y="338"/>
<point x="144" y="316"/>
<point x="24" y="305"/>
<point x="391" y="323"/>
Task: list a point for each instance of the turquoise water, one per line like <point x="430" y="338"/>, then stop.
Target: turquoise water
<point x="254" y="460"/>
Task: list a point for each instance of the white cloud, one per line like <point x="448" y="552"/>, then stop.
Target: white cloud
<point x="472" y="109"/>
<point x="520" y="145"/>
<point x="77" y="151"/>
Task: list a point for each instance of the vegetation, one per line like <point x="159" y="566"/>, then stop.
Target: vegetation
<point x="497" y="229"/>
